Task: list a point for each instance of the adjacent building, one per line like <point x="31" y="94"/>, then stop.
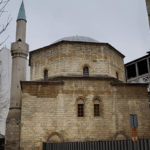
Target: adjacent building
<point x="2" y="142"/>
<point x="5" y="85"/>
<point x="138" y="70"/>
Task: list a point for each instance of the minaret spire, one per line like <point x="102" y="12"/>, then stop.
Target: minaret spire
<point x="19" y="52"/>
<point x="22" y="14"/>
<point x="21" y="24"/>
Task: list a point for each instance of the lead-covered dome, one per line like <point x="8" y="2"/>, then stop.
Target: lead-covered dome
<point x="77" y="39"/>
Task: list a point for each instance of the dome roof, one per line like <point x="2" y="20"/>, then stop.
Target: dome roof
<point x="77" y="39"/>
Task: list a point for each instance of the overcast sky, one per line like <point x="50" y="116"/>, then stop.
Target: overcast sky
<point x="121" y="23"/>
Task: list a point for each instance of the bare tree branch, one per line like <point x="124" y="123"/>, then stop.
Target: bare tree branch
<point x="3" y="7"/>
<point x="5" y="27"/>
<point x="6" y="2"/>
<point x="4" y="41"/>
<point x="3" y="4"/>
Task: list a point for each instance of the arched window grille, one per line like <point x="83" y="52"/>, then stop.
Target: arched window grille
<point x="85" y="71"/>
<point x="117" y="76"/>
<point x="96" y="107"/>
<point x="80" y="108"/>
<point x="45" y="74"/>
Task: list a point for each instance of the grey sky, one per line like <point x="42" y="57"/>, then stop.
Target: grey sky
<point x="122" y="23"/>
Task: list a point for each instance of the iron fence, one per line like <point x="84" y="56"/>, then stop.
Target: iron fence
<point x="100" y="145"/>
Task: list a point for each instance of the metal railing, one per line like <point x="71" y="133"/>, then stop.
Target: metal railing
<point x="100" y="145"/>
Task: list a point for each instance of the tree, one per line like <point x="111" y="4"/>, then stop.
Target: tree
<point x="3" y="27"/>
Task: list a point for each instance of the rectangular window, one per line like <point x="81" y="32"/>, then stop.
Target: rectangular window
<point x="0" y="62"/>
<point x="80" y="110"/>
<point x="133" y="120"/>
<point x="131" y="71"/>
<point x="142" y="67"/>
<point x="96" y="110"/>
<point x="0" y="79"/>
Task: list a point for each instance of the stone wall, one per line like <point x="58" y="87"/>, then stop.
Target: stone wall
<point x="69" y="58"/>
<point x="49" y="111"/>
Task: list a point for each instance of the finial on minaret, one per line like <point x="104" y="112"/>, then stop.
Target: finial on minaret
<point x="21" y="24"/>
<point x="22" y="14"/>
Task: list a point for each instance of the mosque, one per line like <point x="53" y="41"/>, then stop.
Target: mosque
<point x="77" y="92"/>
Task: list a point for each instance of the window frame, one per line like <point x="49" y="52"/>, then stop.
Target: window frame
<point x="96" y="101"/>
<point x="86" y="71"/>
<point x="45" y="74"/>
<point x="81" y="111"/>
<point x="80" y="101"/>
<point x="95" y="112"/>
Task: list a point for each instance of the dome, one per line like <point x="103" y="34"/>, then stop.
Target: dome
<point x="77" y="39"/>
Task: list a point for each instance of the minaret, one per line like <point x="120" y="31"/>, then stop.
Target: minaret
<point x="19" y="52"/>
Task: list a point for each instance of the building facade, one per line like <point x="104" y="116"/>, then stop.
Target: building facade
<point x="77" y="92"/>
<point x="72" y="105"/>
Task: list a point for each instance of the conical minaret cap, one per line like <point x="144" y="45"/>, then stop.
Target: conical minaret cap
<point x="22" y="14"/>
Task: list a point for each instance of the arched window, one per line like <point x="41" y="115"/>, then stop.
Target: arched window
<point x="121" y="136"/>
<point x="117" y="76"/>
<point x="80" y="108"/>
<point x="55" y="138"/>
<point x="45" y="74"/>
<point x="85" y="71"/>
<point x="96" y="107"/>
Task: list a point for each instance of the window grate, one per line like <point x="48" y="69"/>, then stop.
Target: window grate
<point x="96" y="110"/>
<point x="80" y="110"/>
<point x="85" y="71"/>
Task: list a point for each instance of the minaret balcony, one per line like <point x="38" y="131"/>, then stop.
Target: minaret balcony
<point x="20" y="47"/>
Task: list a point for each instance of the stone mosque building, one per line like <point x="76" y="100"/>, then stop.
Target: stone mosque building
<point x="77" y="92"/>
